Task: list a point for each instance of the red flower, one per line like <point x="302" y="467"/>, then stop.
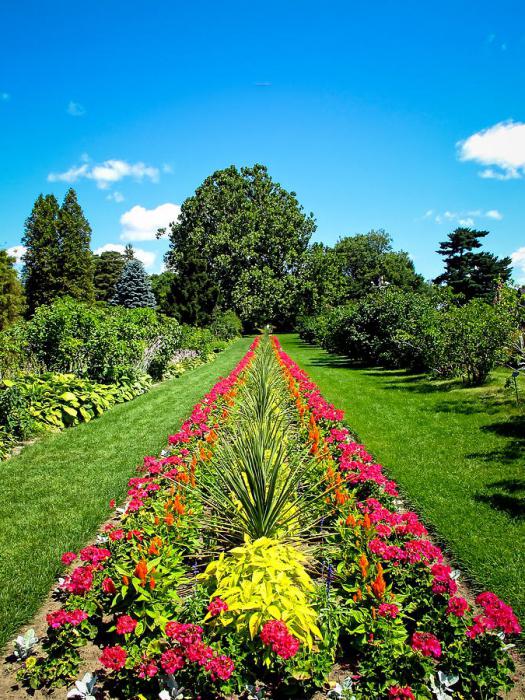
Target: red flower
<point x="184" y="633"/>
<point x="108" y="585"/>
<point x="396" y="692"/>
<point x="113" y="657"/>
<point x="457" y="606"/>
<point x="220" y="667"/>
<point x="68" y="558"/>
<point x="217" y="606"/>
<point x="172" y="660"/>
<point x="116" y="535"/>
<point x="80" y="581"/>
<point x="276" y="634"/>
<point x="125" y="624"/>
<point x="426" y="643"/>
<point x="147" y="668"/>
<point x="112" y="503"/>
<point x="94" y="555"/>
<point x="388" y="610"/>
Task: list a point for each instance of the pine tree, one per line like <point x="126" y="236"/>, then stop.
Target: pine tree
<point x="42" y="273"/>
<point x="76" y="259"/>
<point x="129" y="252"/>
<point x="11" y="293"/>
<point x="133" y="289"/>
<point x="194" y="295"/>
<point x="470" y="273"/>
<point x="108" y="268"/>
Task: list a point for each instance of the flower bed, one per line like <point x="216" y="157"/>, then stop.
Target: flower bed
<point x="261" y="548"/>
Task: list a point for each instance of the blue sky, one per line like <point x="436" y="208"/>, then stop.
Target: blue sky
<point x="408" y="116"/>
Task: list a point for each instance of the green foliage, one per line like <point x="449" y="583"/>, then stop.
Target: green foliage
<point x="32" y="403"/>
<point x="57" y="261"/>
<point x="264" y="580"/>
<point x="322" y="281"/>
<point x="11" y="294"/>
<point x="74" y="234"/>
<point x="244" y="226"/>
<point x="107" y="270"/>
<point x="42" y="274"/>
<point x="133" y="289"/>
<point x="193" y="295"/>
<point x="226" y="325"/>
<point x="471" y="274"/>
<point x="160" y="286"/>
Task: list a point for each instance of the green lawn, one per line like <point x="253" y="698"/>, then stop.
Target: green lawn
<point x="56" y="492"/>
<point x="457" y="454"/>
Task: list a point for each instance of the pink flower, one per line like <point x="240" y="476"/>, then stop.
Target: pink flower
<point x="396" y="692"/>
<point x="68" y="558"/>
<point x="125" y="624"/>
<point x="184" y="633"/>
<point x="498" y="615"/>
<point x="76" y="617"/>
<point x="457" y="606"/>
<point x="114" y="657"/>
<point x="443" y="583"/>
<point x="217" y="606"/>
<point x="94" y="555"/>
<point x="198" y="652"/>
<point x="172" y="660"/>
<point x="56" y="619"/>
<point x="80" y="581"/>
<point x="276" y="634"/>
<point x="116" y="535"/>
<point x="426" y="643"/>
<point x="388" y="610"/>
<point x="220" y="667"/>
<point x="147" y="668"/>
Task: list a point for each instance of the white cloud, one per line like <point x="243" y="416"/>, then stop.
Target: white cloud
<point x="115" y="196"/>
<point x="16" y="252"/>
<point x="140" y="224"/>
<point x="518" y="262"/>
<point x="145" y="256"/>
<point x="75" y="109"/>
<point x="463" y="218"/>
<point x="106" y="173"/>
<point x="501" y="147"/>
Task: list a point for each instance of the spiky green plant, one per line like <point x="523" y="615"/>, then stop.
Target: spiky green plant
<point x="259" y="482"/>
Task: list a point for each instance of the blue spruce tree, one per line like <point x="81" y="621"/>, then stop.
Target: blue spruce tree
<point x="133" y="289"/>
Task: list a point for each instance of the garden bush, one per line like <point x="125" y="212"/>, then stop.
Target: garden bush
<point x="226" y="325"/>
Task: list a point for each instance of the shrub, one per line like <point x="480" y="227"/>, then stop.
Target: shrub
<point x="226" y="325"/>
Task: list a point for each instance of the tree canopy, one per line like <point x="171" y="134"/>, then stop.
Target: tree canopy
<point x="11" y="294"/>
<point x="242" y="223"/>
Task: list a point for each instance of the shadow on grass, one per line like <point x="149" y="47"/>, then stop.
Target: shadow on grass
<point x="508" y="497"/>
<point x="512" y="429"/>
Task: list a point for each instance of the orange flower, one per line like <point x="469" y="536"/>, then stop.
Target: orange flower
<point x="363" y="565"/>
<point x="154" y="546"/>
<point x="350" y="520"/>
<point x="141" y="571"/>
<point x="152" y="583"/>
<point x="169" y="519"/>
<point x="125" y="580"/>
<point x="178" y="507"/>
<point x="340" y="498"/>
<point x="379" y="585"/>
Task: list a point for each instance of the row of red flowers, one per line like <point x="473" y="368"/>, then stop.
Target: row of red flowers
<point x="402" y="593"/>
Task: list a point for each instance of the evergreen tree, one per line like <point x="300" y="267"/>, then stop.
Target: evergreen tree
<point x="133" y="289"/>
<point x="469" y="273"/>
<point x="194" y="295"/>
<point x="42" y="272"/>
<point x="76" y="260"/>
<point x="161" y="285"/>
<point x="108" y="268"/>
<point x="11" y="294"/>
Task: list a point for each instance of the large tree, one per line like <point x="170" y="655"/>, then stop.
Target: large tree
<point x="242" y="222"/>
<point x="108" y="268"/>
<point x="11" y="294"/>
<point x="469" y="273"/>
<point x="42" y="272"/>
<point x="161" y="286"/>
<point x="133" y="289"/>
<point x="368" y="261"/>
<point x="76" y="260"/>
<point x="323" y="283"/>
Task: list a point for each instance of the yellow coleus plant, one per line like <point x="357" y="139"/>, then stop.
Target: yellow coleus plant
<point x="263" y="580"/>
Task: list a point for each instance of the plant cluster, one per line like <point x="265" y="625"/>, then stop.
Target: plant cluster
<point x="419" y="331"/>
<point x="305" y="559"/>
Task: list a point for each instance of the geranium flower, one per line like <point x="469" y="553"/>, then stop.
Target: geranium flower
<point x="427" y="643"/>
<point x="114" y="657"/>
<point x="125" y="624"/>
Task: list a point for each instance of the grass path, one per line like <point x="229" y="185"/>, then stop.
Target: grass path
<point x="457" y="454"/>
<point x="56" y="492"/>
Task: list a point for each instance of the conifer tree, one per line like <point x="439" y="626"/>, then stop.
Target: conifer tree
<point x="42" y="273"/>
<point x="133" y="289"/>
<point x="76" y="259"/>
<point x="194" y="295"/>
<point x="11" y="294"/>
<point x="108" y="268"/>
<point x="470" y="273"/>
